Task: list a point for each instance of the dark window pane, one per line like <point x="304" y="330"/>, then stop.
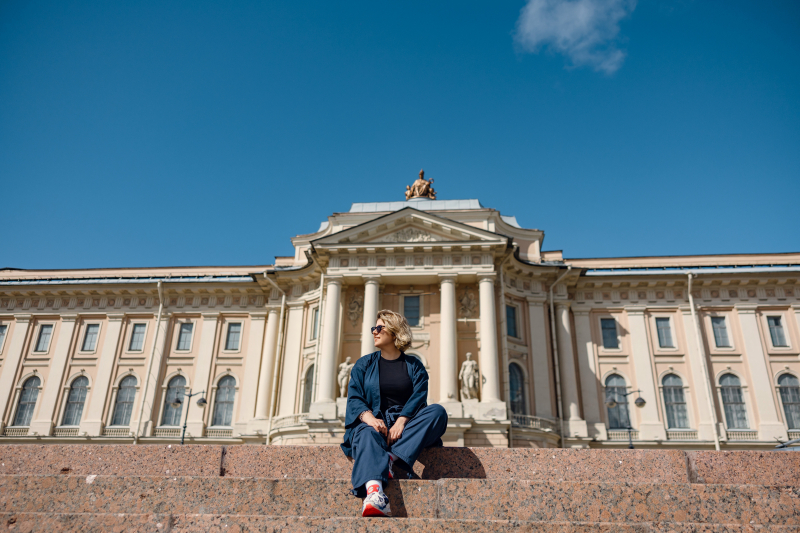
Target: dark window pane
<point x="308" y="389"/>
<point x="90" y="337"/>
<point x="720" y="332"/>
<point x="75" y="401"/>
<point x="790" y="398"/>
<point x="733" y="402"/>
<point x="223" y="404"/>
<point x="175" y="389"/>
<point x="185" y="337"/>
<point x="43" y="342"/>
<point x="124" y="405"/>
<point x="675" y="402"/>
<point x="609" y="329"/>
<point x="517" y="382"/>
<point x="411" y="310"/>
<point x="618" y="416"/>
<point x="234" y="334"/>
<point x="664" y="332"/>
<point x="511" y="321"/>
<point x="3" y="329"/>
<point x="776" y="331"/>
<point x="27" y="401"/>
<point x="137" y="338"/>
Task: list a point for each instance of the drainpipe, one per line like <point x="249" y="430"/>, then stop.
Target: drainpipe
<point x="554" y="341"/>
<point x="150" y="364"/>
<point x="278" y="355"/>
<point x="504" y="339"/>
<point x="702" y="351"/>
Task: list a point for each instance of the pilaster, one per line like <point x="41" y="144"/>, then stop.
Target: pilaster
<point x="8" y="374"/>
<point x="650" y="427"/>
<point x="45" y="412"/>
<point x="92" y="423"/>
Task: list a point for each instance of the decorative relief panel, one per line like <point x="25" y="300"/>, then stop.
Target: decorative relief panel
<point x="410" y="235"/>
<point x="355" y="307"/>
<point x="467" y="303"/>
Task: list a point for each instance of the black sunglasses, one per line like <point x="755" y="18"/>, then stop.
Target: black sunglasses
<point x="379" y="329"/>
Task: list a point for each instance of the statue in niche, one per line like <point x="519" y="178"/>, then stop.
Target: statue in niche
<point x="467" y="303"/>
<point x="344" y="377"/>
<point x="421" y="188"/>
<point x="355" y="308"/>
<point x="469" y="379"/>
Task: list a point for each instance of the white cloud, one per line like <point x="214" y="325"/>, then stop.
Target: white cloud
<point x="585" y="31"/>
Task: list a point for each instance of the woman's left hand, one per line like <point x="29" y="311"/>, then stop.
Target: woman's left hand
<point x="396" y="431"/>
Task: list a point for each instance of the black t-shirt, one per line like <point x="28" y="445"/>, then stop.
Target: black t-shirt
<point x="396" y="385"/>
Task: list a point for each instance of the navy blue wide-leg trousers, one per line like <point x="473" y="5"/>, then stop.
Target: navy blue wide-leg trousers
<point x="371" y="453"/>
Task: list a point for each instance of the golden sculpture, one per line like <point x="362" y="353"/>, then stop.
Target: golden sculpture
<point x="422" y="188"/>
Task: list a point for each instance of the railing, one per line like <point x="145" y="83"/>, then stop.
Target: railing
<point x="167" y="432"/>
<point x="682" y="434"/>
<point x="534" y="422"/>
<point x="298" y="419"/>
<point x="117" y="432"/>
<point x="219" y="433"/>
<point x="622" y="434"/>
<point x="739" y="435"/>
<point x="65" y="432"/>
<point x="794" y="434"/>
<point x="15" y="431"/>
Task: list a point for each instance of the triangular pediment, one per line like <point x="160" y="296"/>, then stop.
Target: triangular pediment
<point x="409" y="226"/>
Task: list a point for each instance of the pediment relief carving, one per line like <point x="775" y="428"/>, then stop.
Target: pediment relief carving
<point x="410" y="234"/>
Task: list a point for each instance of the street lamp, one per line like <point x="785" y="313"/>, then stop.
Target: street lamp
<point x="638" y="402"/>
<point x="177" y="402"/>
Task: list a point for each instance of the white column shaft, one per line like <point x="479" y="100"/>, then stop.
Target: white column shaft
<point x="267" y="364"/>
<point x="11" y="359"/>
<point x="539" y="359"/>
<point x="327" y="369"/>
<point x="588" y="374"/>
<point x="566" y="360"/>
<point x="489" y="365"/>
<point x="448" y="353"/>
<point x="370" y="311"/>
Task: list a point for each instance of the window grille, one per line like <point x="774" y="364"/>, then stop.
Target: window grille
<point x="175" y="390"/>
<point x="308" y="388"/>
<point x="790" y="397"/>
<point x="411" y="310"/>
<point x="90" y="337"/>
<point x="664" y="332"/>
<point x="45" y="333"/>
<point x="733" y="402"/>
<point x="223" y="403"/>
<point x="609" y="329"/>
<point x="75" y="400"/>
<point x="776" y="332"/>
<point x="27" y="401"/>
<point x="720" y="332"/>
<point x="511" y="321"/>
<point x="618" y="416"/>
<point x="517" y="382"/>
<point x="137" y="338"/>
<point x="675" y="402"/>
<point x="124" y="405"/>
<point x="185" y="336"/>
<point x="234" y="335"/>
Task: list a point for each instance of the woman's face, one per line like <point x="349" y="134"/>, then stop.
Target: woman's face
<point x="384" y="339"/>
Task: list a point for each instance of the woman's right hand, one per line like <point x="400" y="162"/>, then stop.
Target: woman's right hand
<point x="375" y="423"/>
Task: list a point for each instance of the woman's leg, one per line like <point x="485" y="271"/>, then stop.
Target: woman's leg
<point x="370" y="457"/>
<point x="420" y="432"/>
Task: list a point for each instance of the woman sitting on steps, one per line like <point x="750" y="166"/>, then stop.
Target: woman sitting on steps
<point x="387" y="420"/>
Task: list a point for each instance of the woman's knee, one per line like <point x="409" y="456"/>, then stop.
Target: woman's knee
<point x="438" y="412"/>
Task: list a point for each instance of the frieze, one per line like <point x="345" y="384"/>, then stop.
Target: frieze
<point x="410" y="235"/>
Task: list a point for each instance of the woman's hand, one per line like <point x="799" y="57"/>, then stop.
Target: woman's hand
<point x="397" y="430"/>
<point x="375" y="423"/>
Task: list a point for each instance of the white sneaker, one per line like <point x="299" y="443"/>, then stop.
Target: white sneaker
<point x="376" y="504"/>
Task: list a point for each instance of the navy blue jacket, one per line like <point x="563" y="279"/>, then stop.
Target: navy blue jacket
<point x="364" y="393"/>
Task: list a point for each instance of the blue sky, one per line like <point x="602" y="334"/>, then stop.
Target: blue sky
<point x="196" y="133"/>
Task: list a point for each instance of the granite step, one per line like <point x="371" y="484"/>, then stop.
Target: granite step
<point x="194" y="523"/>
<point x="450" y="499"/>
<point x="312" y="462"/>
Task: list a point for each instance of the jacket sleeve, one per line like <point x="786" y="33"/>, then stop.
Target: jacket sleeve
<point x="420" y="395"/>
<point x="356" y="397"/>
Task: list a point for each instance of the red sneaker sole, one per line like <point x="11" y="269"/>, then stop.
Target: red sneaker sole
<point x="369" y="510"/>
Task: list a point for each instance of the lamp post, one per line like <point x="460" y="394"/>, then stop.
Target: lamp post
<point x="638" y="402"/>
<point x="201" y="402"/>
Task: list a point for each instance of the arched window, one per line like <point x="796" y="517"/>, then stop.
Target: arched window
<point x="790" y="397"/>
<point x="124" y="406"/>
<point x="675" y="402"/>
<point x="175" y="390"/>
<point x="75" y="401"/>
<point x="517" y="382"/>
<point x="733" y="402"/>
<point x="223" y="403"/>
<point x="618" y="416"/>
<point x="27" y="401"/>
<point x="308" y="389"/>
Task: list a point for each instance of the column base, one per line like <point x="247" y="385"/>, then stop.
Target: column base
<point x="41" y="428"/>
<point x="93" y="428"/>
<point x="705" y="432"/>
<point x="257" y="426"/>
<point x="576" y="428"/>
<point x="454" y="409"/>
<point x="598" y="431"/>
<point x="341" y="408"/>
<point x="653" y="431"/>
<point x="772" y="431"/>
<point x="195" y="429"/>
<point x="323" y="410"/>
<point x="485" y="410"/>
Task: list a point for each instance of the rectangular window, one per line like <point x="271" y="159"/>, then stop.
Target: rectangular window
<point x="185" y="337"/>
<point x="411" y="310"/>
<point x="511" y="321"/>
<point x="776" y="331"/>
<point x="3" y="329"/>
<point x="137" y="338"/>
<point x="609" y="329"/>
<point x="664" y="333"/>
<point x="314" y="323"/>
<point x="90" y="337"/>
<point x="234" y="334"/>
<point x="720" y="332"/>
<point x="43" y="342"/>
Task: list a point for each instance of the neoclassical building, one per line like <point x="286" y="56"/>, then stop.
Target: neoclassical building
<point x="566" y="349"/>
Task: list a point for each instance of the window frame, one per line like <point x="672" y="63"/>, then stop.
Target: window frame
<point x="626" y="399"/>
<point x="720" y="398"/>
<point x="789" y="332"/>
<point x="517" y="329"/>
<point x="310" y="370"/>
<point x="731" y="327"/>
<point x="115" y="399"/>
<point x="419" y="295"/>
<point x="780" y="397"/>
<point x="18" y="399"/>
<point x="65" y="400"/>
<point x="523" y="385"/>
<point x="38" y="335"/>
<point x="228" y="324"/>
<point x="85" y="331"/>
<point x="165" y="392"/>
<point x="618" y="347"/>
<point x="215" y="399"/>
<point x="686" y="397"/>
<point x="130" y="336"/>
<point x="676" y="332"/>
<point x="179" y="326"/>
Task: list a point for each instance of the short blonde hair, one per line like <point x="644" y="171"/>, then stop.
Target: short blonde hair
<point x="398" y="326"/>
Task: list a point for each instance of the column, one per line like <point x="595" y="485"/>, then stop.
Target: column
<point x="705" y="424"/>
<point x="491" y="404"/>
<point x="267" y="364"/>
<point x="8" y="374"/>
<point x="576" y="426"/>
<point x="770" y="426"/>
<point x="252" y="364"/>
<point x="325" y="404"/>
<point x="92" y="420"/>
<point x="448" y="349"/>
<point x="195" y="423"/>
<point x="46" y="410"/>
<point x="290" y="362"/>
<point x="370" y="311"/>
<point x="539" y="359"/>
<point x="650" y="426"/>
<point x="152" y="381"/>
<point x="588" y="375"/>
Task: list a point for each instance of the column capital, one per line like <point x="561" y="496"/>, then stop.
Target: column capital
<point x="532" y="300"/>
<point x="371" y="278"/>
<point x="487" y="276"/>
<point x="639" y="310"/>
<point x="115" y="317"/>
<point x="746" y="309"/>
<point x="22" y="318"/>
<point x="334" y="280"/>
<point x="69" y="318"/>
<point x="209" y="315"/>
<point x="447" y="278"/>
<point x="560" y="304"/>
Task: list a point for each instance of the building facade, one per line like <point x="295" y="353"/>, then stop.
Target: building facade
<point x="564" y="348"/>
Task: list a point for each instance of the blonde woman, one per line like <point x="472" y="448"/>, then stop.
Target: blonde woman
<point x="387" y="419"/>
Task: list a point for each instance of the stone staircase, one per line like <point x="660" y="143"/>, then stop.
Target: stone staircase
<point x="197" y="488"/>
